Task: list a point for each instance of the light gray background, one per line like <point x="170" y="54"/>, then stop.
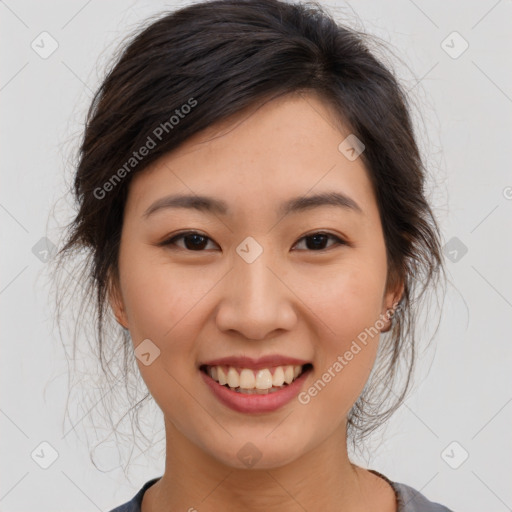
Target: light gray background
<point x="465" y="397"/>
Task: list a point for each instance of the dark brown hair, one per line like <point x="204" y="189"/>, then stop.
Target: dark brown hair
<point x="221" y="57"/>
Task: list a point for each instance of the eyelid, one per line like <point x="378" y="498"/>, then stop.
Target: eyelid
<point x="340" y="240"/>
<point x="170" y="240"/>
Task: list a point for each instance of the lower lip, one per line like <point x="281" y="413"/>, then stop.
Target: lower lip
<point x="255" y="403"/>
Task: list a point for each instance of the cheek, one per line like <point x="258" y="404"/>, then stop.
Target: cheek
<point x="348" y="304"/>
<point x="347" y="298"/>
<point x="162" y="302"/>
<point x="345" y="356"/>
<point x="159" y="297"/>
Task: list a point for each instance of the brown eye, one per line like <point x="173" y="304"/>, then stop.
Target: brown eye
<point x="193" y="241"/>
<point x="316" y="241"/>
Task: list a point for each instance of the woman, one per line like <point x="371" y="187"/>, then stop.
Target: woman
<point x="250" y="195"/>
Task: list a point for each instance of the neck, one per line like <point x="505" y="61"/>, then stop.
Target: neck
<point x="321" y="479"/>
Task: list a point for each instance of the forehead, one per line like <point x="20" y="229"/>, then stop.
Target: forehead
<point x="283" y="148"/>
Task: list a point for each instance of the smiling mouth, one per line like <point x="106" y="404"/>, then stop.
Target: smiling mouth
<point x="261" y="382"/>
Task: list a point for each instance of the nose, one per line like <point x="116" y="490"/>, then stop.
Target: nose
<point x="256" y="302"/>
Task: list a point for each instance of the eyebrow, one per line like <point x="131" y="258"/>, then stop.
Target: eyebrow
<point x="218" y="206"/>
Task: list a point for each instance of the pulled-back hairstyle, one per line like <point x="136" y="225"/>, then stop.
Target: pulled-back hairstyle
<point x="221" y="57"/>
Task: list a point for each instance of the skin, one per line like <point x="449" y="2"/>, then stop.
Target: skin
<point x="309" y="303"/>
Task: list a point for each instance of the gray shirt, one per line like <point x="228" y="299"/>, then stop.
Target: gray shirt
<point x="407" y="499"/>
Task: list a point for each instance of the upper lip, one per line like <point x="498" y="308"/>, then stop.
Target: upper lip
<point x="255" y="364"/>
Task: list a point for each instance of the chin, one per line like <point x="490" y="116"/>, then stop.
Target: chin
<point x="254" y="452"/>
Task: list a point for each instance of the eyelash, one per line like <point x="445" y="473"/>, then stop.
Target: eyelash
<point x="172" y="240"/>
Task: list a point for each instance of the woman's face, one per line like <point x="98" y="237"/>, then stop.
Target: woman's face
<point x="255" y="283"/>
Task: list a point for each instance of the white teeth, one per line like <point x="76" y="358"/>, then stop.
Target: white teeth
<point x="288" y="374"/>
<point x="278" y="377"/>
<point x="221" y="375"/>
<point x="249" y="381"/>
<point x="233" y="378"/>
<point x="263" y="379"/>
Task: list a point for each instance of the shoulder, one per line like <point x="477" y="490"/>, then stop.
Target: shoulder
<point x="134" y="504"/>
<point x="411" y="500"/>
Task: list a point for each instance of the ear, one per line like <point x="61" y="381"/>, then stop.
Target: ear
<point x="115" y="300"/>
<point x="390" y="302"/>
